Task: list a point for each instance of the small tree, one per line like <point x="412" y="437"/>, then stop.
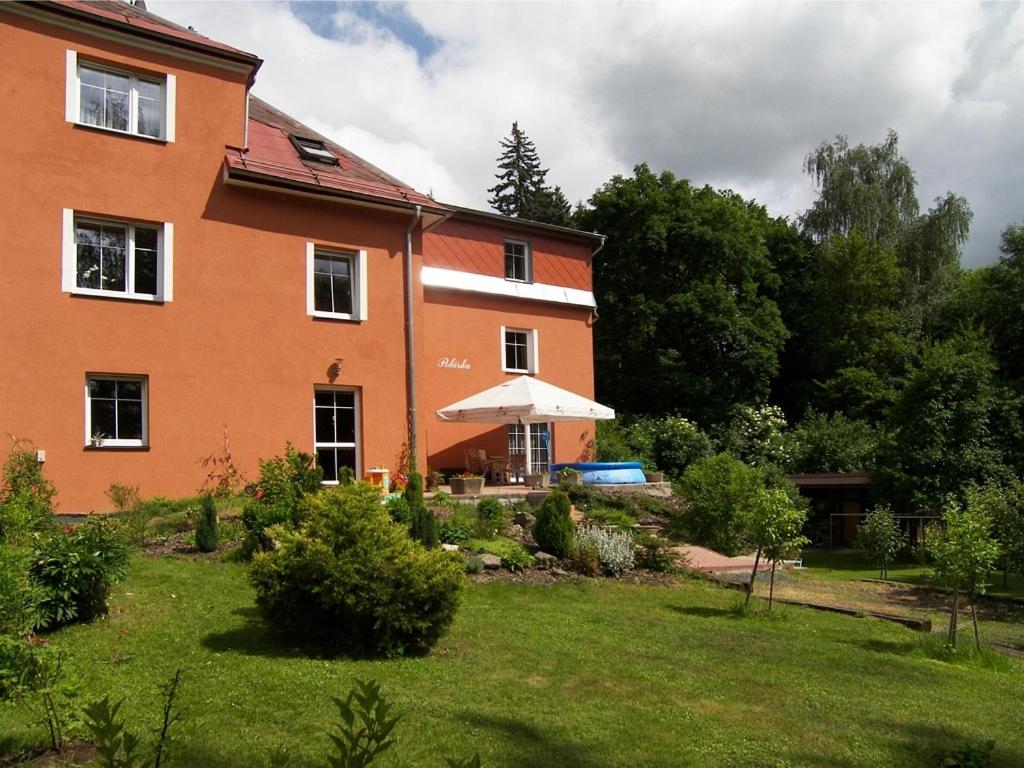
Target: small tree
<point x="423" y="525"/>
<point x="554" y="529"/>
<point x="771" y="522"/>
<point x="880" y="536"/>
<point x="718" y="489"/>
<point x="206" y="526"/>
<point x="1004" y="503"/>
<point x="964" y="553"/>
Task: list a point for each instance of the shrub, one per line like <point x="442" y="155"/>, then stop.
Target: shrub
<point x="423" y="524"/>
<point x="454" y="531"/>
<point x="611" y="442"/>
<point x="206" y="526"/>
<point x="583" y="557"/>
<point x="75" y="568"/>
<point x="670" y="443"/>
<point x="276" y="496"/>
<point x="490" y="518"/>
<point x="474" y="565"/>
<point x="516" y="558"/>
<point x="653" y="554"/>
<point x="718" y="489"/>
<point x="124" y="497"/>
<point x="353" y="581"/>
<point x="398" y="510"/>
<point x="19" y="596"/>
<point x="616" y="552"/>
<point x="26" y="497"/>
<point x="554" y="529"/>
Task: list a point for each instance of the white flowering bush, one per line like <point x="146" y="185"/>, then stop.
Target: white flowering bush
<point x="615" y="549"/>
<point x="757" y="435"/>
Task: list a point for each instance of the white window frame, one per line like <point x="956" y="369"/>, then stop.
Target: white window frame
<point x="360" y="287"/>
<point x="527" y="260"/>
<point x="164" y="256"/>
<point x="109" y="442"/>
<point x="357" y="403"/>
<point x="532" y="351"/>
<point x="168" y="98"/>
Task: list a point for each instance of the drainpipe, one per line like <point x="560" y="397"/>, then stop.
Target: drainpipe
<point x="593" y="315"/>
<point x="410" y="350"/>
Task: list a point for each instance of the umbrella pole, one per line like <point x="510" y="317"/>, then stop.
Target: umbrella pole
<point x="526" y="443"/>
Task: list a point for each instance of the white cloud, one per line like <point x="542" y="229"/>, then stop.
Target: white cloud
<point x="731" y="94"/>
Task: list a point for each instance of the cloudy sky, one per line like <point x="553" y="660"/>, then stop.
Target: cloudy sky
<point x="729" y="94"/>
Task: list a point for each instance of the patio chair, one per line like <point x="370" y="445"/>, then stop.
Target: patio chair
<point x="476" y="461"/>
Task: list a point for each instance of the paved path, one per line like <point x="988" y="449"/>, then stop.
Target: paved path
<point x="703" y="559"/>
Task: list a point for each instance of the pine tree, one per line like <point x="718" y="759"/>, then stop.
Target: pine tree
<point x="520" y="190"/>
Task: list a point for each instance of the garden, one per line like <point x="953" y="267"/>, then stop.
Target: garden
<point x="282" y="624"/>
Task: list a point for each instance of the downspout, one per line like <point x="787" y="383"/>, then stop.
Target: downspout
<point x="594" y="316"/>
<point x="410" y="350"/>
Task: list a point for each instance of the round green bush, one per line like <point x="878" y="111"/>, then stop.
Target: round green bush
<point x="490" y="518"/>
<point x="554" y="529"/>
<point x="350" y="580"/>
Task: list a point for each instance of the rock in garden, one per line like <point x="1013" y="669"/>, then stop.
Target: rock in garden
<point x="524" y="519"/>
<point x="544" y="560"/>
<point x="450" y="547"/>
<point x="491" y="562"/>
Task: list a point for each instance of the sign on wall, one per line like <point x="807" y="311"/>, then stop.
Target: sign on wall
<point x="454" y="363"/>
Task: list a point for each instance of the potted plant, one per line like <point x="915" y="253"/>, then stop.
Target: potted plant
<point x="654" y="475"/>
<point x="536" y="480"/>
<point x="97" y="439"/>
<point x="467" y="483"/>
<point x="570" y="476"/>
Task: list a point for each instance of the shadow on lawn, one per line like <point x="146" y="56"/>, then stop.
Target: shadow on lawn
<point x="526" y="744"/>
<point x="929" y="743"/>
<point x="703" y="611"/>
<point x="895" y="647"/>
<point x="254" y="637"/>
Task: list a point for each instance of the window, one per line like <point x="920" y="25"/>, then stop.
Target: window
<point x="335" y="284"/>
<point x="519" y="350"/>
<point x="314" y="149"/>
<point x="118" y="100"/>
<point x="115" y="411"/>
<point x="335" y="415"/>
<point x="517" y="261"/>
<point x="116" y="258"/>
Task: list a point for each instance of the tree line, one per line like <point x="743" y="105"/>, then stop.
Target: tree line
<point x="855" y="319"/>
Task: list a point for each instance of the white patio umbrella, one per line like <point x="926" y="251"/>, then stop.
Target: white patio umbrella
<point x="525" y="400"/>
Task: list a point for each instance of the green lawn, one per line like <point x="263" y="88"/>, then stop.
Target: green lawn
<point x="583" y="674"/>
<point x="851" y="564"/>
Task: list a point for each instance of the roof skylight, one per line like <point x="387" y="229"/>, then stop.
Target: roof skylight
<point x="314" y="149"/>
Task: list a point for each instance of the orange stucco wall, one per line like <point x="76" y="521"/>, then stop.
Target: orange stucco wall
<point x="479" y="246"/>
<point x="467" y="327"/>
<point x="235" y="346"/>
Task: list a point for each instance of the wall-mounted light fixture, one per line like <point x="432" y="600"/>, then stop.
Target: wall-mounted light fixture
<point x="334" y="370"/>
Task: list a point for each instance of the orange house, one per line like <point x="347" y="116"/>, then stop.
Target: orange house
<point x="184" y="259"/>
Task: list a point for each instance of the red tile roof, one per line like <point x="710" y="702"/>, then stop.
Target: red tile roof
<point x="132" y="19"/>
<point x="272" y="158"/>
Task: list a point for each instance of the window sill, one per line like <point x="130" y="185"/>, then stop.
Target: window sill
<point x="517" y="280"/>
<point x="518" y="371"/>
<point x="96" y="293"/>
<point x="336" y="316"/>
<point x="115" y="448"/>
<point x="115" y="132"/>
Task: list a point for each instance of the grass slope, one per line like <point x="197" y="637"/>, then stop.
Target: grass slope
<point x="580" y="675"/>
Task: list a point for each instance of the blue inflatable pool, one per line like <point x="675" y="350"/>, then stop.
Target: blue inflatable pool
<point x="604" y="472"/>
